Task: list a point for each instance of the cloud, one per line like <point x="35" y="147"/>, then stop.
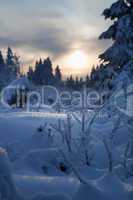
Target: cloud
<point x="53" y="27"/>
<point x="50" y="39"/>
<point x="95" y="44"/>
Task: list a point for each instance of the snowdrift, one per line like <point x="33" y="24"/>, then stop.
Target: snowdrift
<point x="42" y="161"/>
<point x="7" y="187"/>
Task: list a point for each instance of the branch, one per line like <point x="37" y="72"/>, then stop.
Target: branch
<point x="110" y="167"/>
<point x="75" y="171"/>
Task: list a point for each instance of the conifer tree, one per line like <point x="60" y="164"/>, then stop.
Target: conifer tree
<point x="87" y="81"/>
<point x="12" y="65"/>
<point x="16" y="67"/>
<point x="37" y="75"/>
<point x="120" y="54"/>
<point x="58" y="75"/>
<point x="30" y="74"/>
<point x="2" y="62"/>
<point x="10" y="58"/>
<point x="48" y="72"/>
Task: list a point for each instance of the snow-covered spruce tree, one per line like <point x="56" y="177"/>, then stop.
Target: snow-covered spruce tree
<point x="37" y="74"/>
<point x="58" y="76"/>
<point x="16" y="70"/>
<point x="43" y="74"/>
<point x="9" y="68"/>
<point x="120" y="55"/>
<point x="30" y="74"/>
<point x="10" y="57"/>
<point x="12" y="69"/>
<point x="96" y="76"/>
<point x="2" y="62"/>
<point x="70" y="83"/>
<point x="48" y="72"/>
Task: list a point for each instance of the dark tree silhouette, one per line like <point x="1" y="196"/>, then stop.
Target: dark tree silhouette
<point x="2" y="62"/>
<point x="10" y="57"/>
<point x="58" y="76"/>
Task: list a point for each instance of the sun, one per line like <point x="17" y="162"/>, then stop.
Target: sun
<point x="77" y="60"/>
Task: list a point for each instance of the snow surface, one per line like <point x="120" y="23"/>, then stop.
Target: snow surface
<point x="31" y="158"/>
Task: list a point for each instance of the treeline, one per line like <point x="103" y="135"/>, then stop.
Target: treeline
<point x="44" y="74"/>
<point x="102" y="77"/>
<point x="9" y="67"/>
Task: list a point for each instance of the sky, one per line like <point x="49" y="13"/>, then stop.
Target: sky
<point x="67" y="31"/>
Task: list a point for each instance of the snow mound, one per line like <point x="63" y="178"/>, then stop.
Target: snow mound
<point x="91" y="173"/>
<point x="42" y="161"/>
<point x="87" y="192"/>
<point x="113" y="187"/>
<point x="7" y="187"/>
<point x="51" y="197"/>
<point x="38" y="140"/>
<point x="10" y="90"/>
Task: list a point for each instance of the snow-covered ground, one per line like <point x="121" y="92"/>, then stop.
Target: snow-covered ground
<point x="35" y="157"/>
<point x="36" y="161"/>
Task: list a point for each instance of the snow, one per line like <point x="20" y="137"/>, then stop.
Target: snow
<point x="42" y="159"/>
<point x="87" y="192"/>
<point x="34" y="152"/>
<point x="35" y="157"/>
<point x="20" y="83"/>
<point x="114" y="187"/>
<point x="7" y="187"/>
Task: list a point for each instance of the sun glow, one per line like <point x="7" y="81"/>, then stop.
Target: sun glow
<point x="77" y="60"/>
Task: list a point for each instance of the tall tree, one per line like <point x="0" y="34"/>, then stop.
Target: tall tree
<point x="48" y="72"/>
<point x="58" y="75"/>
<point x="30" y="74"/>
<point x="10" y="58"/>
<point x="12" y="64"/>
<point x="87" y="81"/>
<point x="16" y="68"/>
<point x="70" y="83"/>
<point x="120" y="54"/>
<point x="2" y="63"/>
<point x="43" y="73"/>
<point x="38" y="74"/>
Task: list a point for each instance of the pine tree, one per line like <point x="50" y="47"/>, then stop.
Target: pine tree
<point x="70" y="83"/>
<point x="120" y="54"/>
<point x="30" y="74"/>
<point x="12" y="65"/>
<point x="77" y="83"/>
<point x="81" y="82"/>
<point x="37" y="76"/>
<point x="92" y="75"/>
<point x="43" y="73"/>
<point x="48" y="72"/>
<point x="16" y="66"/>
<point x="2" y="63"/>
<point x="10" y="58"/>
<point x="58" y="76"/>
<point x="39" y="72"/>
<point x="87" y="81"/>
